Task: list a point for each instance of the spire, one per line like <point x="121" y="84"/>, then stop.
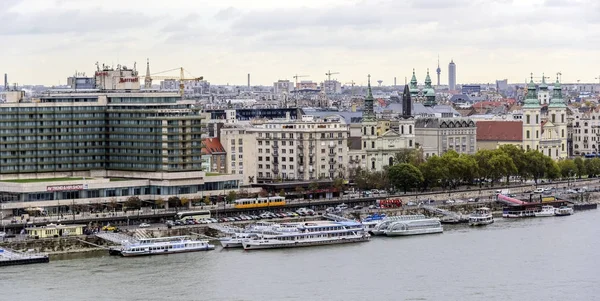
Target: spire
<point x="406" y="102"/>
<point x="148" y="79"/>
<point x="543" y="85"/>
<point x="427" y="80"/>
<point x="557" y="97"/>
<point x="368" y="114"/>
<point x="531" y="100"/>
<point x="413" y="80"/>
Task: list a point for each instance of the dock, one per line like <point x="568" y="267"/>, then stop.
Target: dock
<point x="10" y="257"/>
<point x="449" y="217"/>
<point x="117" y="238"/>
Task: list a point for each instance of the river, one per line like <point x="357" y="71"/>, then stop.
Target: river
<point x="552" y="258"/>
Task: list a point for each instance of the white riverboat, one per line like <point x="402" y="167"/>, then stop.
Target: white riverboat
<point x="563" y="211"/>
<point x="383" y="225"/>
<point x="314" y="233"/>
<point x="414" y="227"/>
<point x="546" y="211"/>
<point x="234" y="240"/>
<point x="481" y="217"/>
<point x="160" y="246"/>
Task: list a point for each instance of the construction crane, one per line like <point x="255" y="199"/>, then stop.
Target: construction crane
<point x="329" y="74"/>
<point x="181" y="78"/>
<point x="296" y="86"/>
<point x="351" y="89"/>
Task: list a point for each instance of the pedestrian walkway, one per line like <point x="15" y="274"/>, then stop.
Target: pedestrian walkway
<point x="116" y="238"/>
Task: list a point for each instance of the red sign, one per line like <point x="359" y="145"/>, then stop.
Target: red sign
<point x="129" y="80"/>
<point x="98" y="73"/>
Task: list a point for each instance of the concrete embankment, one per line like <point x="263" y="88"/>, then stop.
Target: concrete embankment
<point x="60" y="245"/>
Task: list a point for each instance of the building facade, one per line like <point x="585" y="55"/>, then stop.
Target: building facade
<point x="278" y="150"/>
<point x="435" y="136"/>
<point x="452" y="76"/>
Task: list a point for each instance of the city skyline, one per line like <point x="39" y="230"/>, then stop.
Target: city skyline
<point x="271" y="40"/>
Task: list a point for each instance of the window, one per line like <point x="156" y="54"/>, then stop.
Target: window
<point x="527" y="134"/>
<point x="232" y="141"/>
<point x="553" y="118"/>
<point x="260" y="166"/>
<point x="528" y="120"/>
<point x="537" y="134"/>
<point x="409" y="143"/>
<point x="372" y="130"/>
<point x="260" y="158"/>
<point x="372" y="144"/>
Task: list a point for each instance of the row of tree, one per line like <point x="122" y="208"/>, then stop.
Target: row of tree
<point x="411" y="171"/>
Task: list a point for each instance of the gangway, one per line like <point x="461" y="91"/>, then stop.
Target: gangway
<point x="509" y="201"/>
<point x="117" y="238"/>
<point x="449" y="216"/>
<point x="336" y="218"/>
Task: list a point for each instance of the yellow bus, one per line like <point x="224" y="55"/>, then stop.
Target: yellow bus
<point x="260" y="202"/>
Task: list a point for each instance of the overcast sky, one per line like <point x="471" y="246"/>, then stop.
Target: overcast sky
<point x="44" y="41"/>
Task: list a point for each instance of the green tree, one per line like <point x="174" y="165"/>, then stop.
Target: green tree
<point x="338" y="184"/>
<point x="282" y="193"/>
<point x="300" y="191"/>
<point x="518" y="157"/>
<point x="567" y="167"/>
<point x="405" y="176"/>
<point x="159" y="203"/>
<point x="552" y="170"/>
<point x="133" y="202"/>
<point x="313" y="186"/>
<point x="501" y="166"/>
<point x="207" y="200"/>
<point x="231" y="196"/>
<point x="592" y="167"/>
<point x="536" y="164"/>
<point x="184" y="201"/>
<point x="580" y="167"/>
<point x="483" y="158"/>
<point x="174" y="202"/>
<point x="434" y="171"/>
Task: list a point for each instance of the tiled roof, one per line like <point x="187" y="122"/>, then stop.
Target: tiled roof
<point x="212" y="146"/>
<point x="500" y="131"/>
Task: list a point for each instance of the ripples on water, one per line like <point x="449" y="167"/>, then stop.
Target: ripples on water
<point x="528" y="259"/>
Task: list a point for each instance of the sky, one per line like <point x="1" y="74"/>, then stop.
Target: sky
<point x="45" y="41"/>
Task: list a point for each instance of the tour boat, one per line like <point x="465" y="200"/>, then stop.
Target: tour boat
<point x="414" y="227"/>
<point x="383" y="225"/>
<point x="234" y="240"/>
<point x="482" y="216"/>
<point x="563" y="211"/>
<point x="308" y="234"/>
<point x="546" y="211"/>
<point x="163" y="245"/>
<point x="517" y="213"/>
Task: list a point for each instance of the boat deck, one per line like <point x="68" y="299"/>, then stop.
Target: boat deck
<point x="10" y="257"/>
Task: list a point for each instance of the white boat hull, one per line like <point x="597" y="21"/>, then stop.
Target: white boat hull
<point x="276" y="244"/>
<point x="164" y="252"/>
<point x="414" y="232"/>
<point x="480" y="222"/>
<point x="544" y="214"/>
<point x="231" y="243"/>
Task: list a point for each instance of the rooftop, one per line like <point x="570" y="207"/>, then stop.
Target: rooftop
<point x="500" y="131"/>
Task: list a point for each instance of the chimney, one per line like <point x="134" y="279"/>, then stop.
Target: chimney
<point x="248" y="80"/>
<point x="5" y="82"/>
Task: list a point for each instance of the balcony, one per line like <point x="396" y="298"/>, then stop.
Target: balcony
<point x="331" y="154"/>
<point x="300" y="146"/>
<point x="275" y="146"/>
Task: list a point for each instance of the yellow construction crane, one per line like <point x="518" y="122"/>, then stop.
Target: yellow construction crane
<point x="181" y="78"/>
<point x="329" y="74"/>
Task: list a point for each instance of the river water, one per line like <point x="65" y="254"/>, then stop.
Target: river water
<point x="552" y="258"/>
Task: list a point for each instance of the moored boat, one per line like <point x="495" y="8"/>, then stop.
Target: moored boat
<point x="160" y="246"/>
<point x="308" y="234"/>
<point x="482" y="216"/>
<point x="563" y="211"/>
<point x="546" y="211"/>
<point x="414" y="227"/>
<point x="382" y="226"/>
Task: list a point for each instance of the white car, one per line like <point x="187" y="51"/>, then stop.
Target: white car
<point x="144" y="225"/>
<point x="2" y="234"/>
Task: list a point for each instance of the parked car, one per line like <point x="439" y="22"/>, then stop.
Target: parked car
<point x="144" y="225"/>
<point x="373" y="207"/>
<point x="411" y="203"/>
<point x="449" y="202"/>
<point x="357" y="207"/>
<point x="539" y="190"/>
<point x="330" y="210"/>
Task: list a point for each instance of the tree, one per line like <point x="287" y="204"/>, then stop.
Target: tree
<point x="433" y="170"/>
<point x="405" y="176"/>
<point x="282" y="193"/>
<point x="501" y="165"/>
<point x="207" y="200"/>
<point x="338" y="184"/>
<point x="231" y="196"/>
<point x="567" y="167"/>
<point x="483" y="157"/>
<point x="313" y="186"/>
<point x="536" y="164"/>
<point x="580" y="167"/>
<point x="174" y="201"/>
<point x="133" y="202"/>
<point x="160" y="202"/>
<point x="592" y="167"/>
<point x="518" y="157"/>
<point x="184" y="201"/>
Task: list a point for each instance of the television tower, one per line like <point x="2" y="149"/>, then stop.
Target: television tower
<point x="438" y="71"/>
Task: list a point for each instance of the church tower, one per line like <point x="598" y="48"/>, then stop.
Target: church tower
<point x="148" y="79"/>
<point x="414" y="88"/>
<point x="544" y="93"/>
<point x="369" y="128"/>
<point x="429" y="92"/>
<point x="557" y="114"/>
<point x="531" y="119"/>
